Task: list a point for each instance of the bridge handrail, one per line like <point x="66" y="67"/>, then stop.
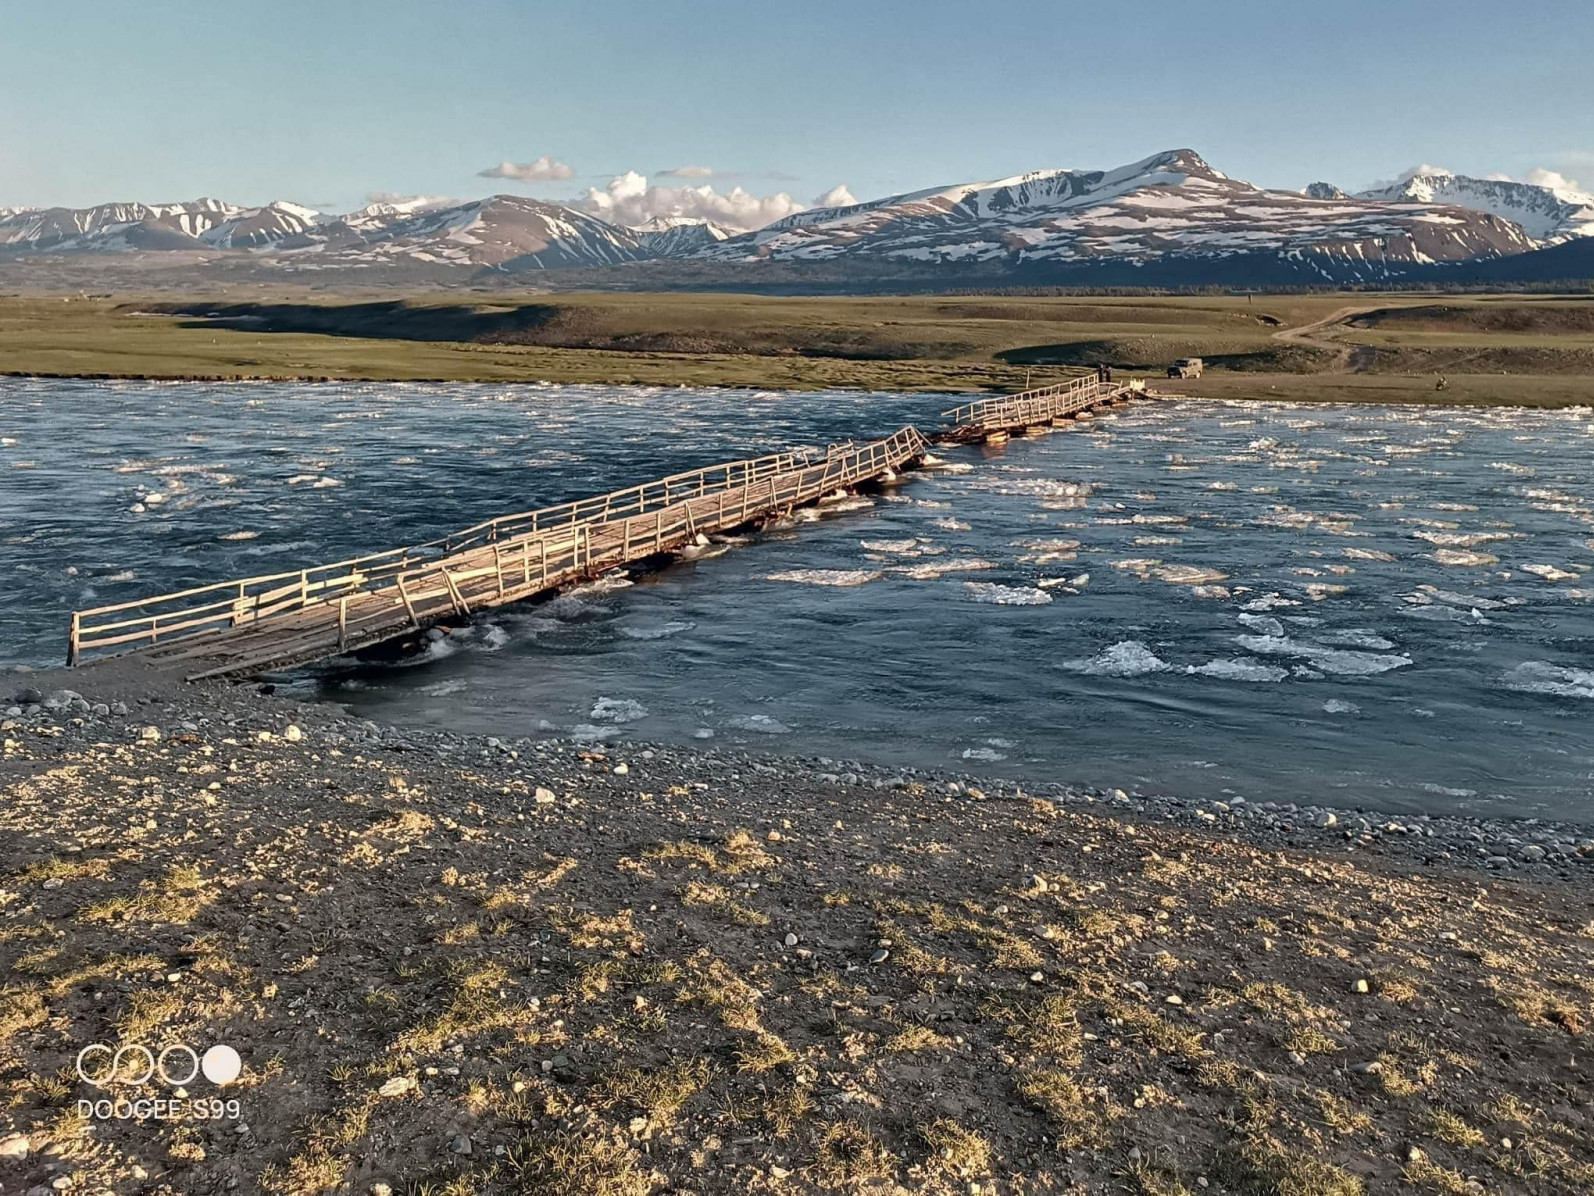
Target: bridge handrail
<point x="250" y="599"/>
<point x="1011" y="408"/>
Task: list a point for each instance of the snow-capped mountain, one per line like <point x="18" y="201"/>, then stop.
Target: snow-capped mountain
<point x="505" y="231"/>
<point x="508" y="231"/>
<point x="678" y="236"/>
<point x="113" y="227"/>
<point x="1171" y="219"/>
<point x="1171" y="205"/>
<point x="1549" y="215"/>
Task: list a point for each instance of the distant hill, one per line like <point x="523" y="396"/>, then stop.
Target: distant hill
<point x="1170" y="220"/>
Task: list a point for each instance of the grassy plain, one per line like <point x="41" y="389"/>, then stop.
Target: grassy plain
<point x="1490" y="349"/>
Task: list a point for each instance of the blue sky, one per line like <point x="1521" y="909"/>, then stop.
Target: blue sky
<point x="329" y="103"/>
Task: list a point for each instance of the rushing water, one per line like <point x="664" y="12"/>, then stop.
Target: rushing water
<point x="1390" y="607"/>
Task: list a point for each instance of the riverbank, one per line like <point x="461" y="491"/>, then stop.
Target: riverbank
<point x="465" y="964"/>
<point x="1507" y="350"/>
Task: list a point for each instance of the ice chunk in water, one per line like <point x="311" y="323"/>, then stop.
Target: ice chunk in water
<point x="999" y="595"/>
<point x="1542" y="677"/>
<point x="1128" y="658"/>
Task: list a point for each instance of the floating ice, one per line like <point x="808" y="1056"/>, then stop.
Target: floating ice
<point x="1270" y="602"/>
<point x="1263" y="624"/>
<point x="1128" y="658"/>
<point x="908" y="545"/>
<point x="761" y="724"/>
<point x="617" y="710"/>
<point x="989" y="755"/>
<point x="1340" y="706"/>
<point x="1542" y="677"/>
<point x="826" y="577"/>
<point x="441" y="689"/>
<point x="1356" y="637"/>
<point x="1328" y="660"/>
<point x="930" y="570"/>
<point x="1549" y="572"/>
<point x="657" y="631"/>
<point x="999" y="595"/>
<point x="1240" y="670"/>
<point x="1464" y="557"/>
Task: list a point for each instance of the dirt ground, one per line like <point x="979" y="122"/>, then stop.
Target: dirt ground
<point x="453" y="965"/>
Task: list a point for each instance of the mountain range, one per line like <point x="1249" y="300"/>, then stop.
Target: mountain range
<point x="1170" y="219"/>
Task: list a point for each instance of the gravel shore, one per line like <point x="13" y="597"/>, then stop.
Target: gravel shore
<point x="458" y="964"/>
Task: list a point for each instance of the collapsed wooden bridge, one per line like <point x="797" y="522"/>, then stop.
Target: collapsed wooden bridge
<point x="994" y="420"/>
<point x="282" y="620"/>
<point x="279" y="620"/>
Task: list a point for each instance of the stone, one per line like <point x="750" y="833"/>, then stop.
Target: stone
<point x="399" y="1086"/>
<point x="1367" y="1069"/>
<point x="1360" y="986"/>
<point x="545" y="797"/>
<point x="791" y="939"/>
<point x="293" y="734"/>
<point x="1532" y="853"/>
<point x="380" y="1187"/>
<point x="621" y="770"/>
<point x="880" y="956"/>
<point x="15" y="1146"/>
<point x="460" y="1144"/>
<point x="150" y="734"/>
<point x="1326" y="819"/>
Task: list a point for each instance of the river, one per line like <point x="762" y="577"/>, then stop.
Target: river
<point x="1350" y="605"/>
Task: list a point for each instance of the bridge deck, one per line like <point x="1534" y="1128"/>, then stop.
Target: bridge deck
<point x="286" y="619"/>
<point x="1006" y="414"/>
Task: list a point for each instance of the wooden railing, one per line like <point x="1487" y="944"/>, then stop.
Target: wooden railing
<point x="1032" y="406"/>
<point x="498" y="560"/>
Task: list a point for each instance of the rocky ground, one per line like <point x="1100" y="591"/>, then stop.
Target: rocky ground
<point x="455" y="965"/>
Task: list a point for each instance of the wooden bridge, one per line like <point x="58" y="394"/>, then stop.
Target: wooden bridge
<point x="280" y="620"/>
<point x="994" y="420"/>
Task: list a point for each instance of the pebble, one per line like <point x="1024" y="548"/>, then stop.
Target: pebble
<point x="1361" y="986"/>
<point x="398" y="1086"/>
<point x="621" y="770"/>
<point x="791" y="939"/>
<point x="293" y="734"/>
<point x="150" y="734"/>
<point x="880" y="956"/>
<point x="545" y="797"/>
<point x="460" y="1144"/>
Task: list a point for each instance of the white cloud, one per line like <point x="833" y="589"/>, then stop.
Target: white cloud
<point x="1552" y="178"/>
<point x="542" y="170"/>
<point x="399" y="199"/>
<point x="631" y="200"/>
<point x="689" y="172"/>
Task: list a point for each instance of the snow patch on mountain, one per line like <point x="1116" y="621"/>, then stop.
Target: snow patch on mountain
<point x="1548" y="214"/>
